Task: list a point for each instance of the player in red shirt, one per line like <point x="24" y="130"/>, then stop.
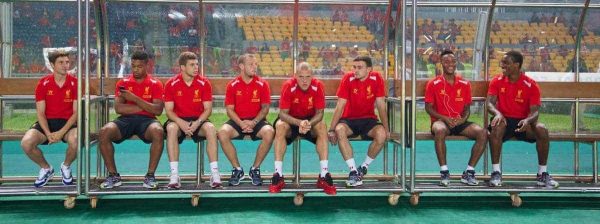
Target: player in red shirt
<point x="188" y="104"/>
<point x="358" y="94"/>
<point x="247" y="101"/>
<point x="448" y="102"/>
<point x="514" y="101"/>
<point x="301" y="114"/>
<point x="56" y="106"/>
<point x="138" y="99"/>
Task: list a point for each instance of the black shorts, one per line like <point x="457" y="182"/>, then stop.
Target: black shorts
<point x="295" y="132"/>
<point x="457" y="129"/>
<point x="255" y="131"/>
<point x="54" y="125"/>
<point x="511" y="126"/>
<point x="180" y="137"/>
<point x="361" y="126"/>
<point x="130" y="125"/>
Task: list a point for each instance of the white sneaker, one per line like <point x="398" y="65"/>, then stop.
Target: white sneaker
<point x="65" y="172"/>
<point x="174" y="182"/>
<point x="215" y="180"/>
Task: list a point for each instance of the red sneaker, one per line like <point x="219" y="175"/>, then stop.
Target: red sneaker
<point x="277" y="183"/>
<point x="326" y="183"/>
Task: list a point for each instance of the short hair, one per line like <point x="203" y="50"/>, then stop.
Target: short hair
<point x="515" y="56"/>
<point x="140" y="55"/>
<point x="57" y="54"/>
<point x="242" y="58"/>
<point x="445" y="52"/>
<point x="184" y="57"/>
<point x="366" y="59"/>
<point x="304" y="66"/>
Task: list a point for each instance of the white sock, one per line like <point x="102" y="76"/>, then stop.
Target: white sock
<point x="238" y="168"/>
<point x="62" y="166"/>
<point x="444" y="168"/>
<point x="279" y="168"/>
<point x="214" y="167"/>
<point x="542" y="169"/>
<point x="324" y="167"/>
<point x="368" y="161"/>
<point x="496" y="167"/>
<point x="174" y="167"/>
<point x="351" y="164"/>
<point x="470" y="167"/>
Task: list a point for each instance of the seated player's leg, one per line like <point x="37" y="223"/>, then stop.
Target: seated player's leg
<point x="283" y="131"/>
<point x="342" y="131"/>
<point x="29" y="144"/>
<point x="225" y="135"/>
<point x="173" y="133"/>
<point x="208" y="131"/>
<point x="154" y="133"/>
<point x="325" y="181"/>
<point x="474" y="131"/>
<point x="496" y="139"/>
<point x="65" y="168"/>
<point x="267" y="134"/>
<point x="539" y="132"/>
<point x="440" y="130"/>
<point x="109" y="133"/>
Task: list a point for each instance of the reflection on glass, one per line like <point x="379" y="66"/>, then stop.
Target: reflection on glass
<point x="589" y="117"/>
<point x="590" y="47"/>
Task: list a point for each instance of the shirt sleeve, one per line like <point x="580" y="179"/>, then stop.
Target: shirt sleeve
<point x="429" y="92"/>
<point x="207" y="96"/>
<point x="285" y="103"/>
<point x="343" y="91"/>
<point x="493" y="89"/>
<point x="381" y="87"/>
<point x="229" y="95"/>
<point x="265" y="97"/>
<point x="169" y="95"/>
<point x="158" y="92"/>
<point x="535" y="96"/>
<point x="467" y="92"/>
<point x="40" y="91"/>
<point x="320" y="98"/>
<point x="117" y="92"/>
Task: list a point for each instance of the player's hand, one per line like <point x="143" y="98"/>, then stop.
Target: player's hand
<point x="184" y="127"/>
<point x="194" y="125"/>
<point x="247" y="126"/>
<point x="54" y="137"/>
<point x="304" y="127"/>
<point x="127" y="95"/>
<point x="498" y="119"/>
<point x="332" y="136"/>
<point x="451" y="122"/>
<point x="523" y="125"/>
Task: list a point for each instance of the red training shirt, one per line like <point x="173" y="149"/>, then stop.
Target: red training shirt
<point x="188" y="100"/>
<point x="59" y="100"/>
<point x="361" y="95"/>
<point x="302" y="104"/>
<point x="247" y="98"/>
<point x="515" y="99"/>
<point x="448" y="100"/>
<point x="149" y="89"/>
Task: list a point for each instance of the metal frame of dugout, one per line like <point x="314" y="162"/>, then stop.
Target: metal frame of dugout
<point x="195" y="185"/>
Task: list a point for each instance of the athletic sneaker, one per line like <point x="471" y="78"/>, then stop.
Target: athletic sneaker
<point x="546" y="180"/>
<point x="354" y="179"/>
<point x="113" y="180"/>
<point x="362" y="171"/>
<point x="444" y="178"/>
<point x="468" y="178"/>
<point x="236" y="177"/>
<point x="215" y="180"/>
<point x="65" y="172"/>
<point x="255" y="176"/>
<point x="174" y="182"/>
<point x="43" y="177"/>
<point x="326" y="183"/>
<point x="277" y="183"/>
<point x="150" y="182"/>
<point x="496" y="179"/>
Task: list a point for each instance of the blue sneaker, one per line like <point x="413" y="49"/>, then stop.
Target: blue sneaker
<point x="496" y="179"/>
<point x="150" y="182"/>
<point x="255" y="176"/>
<point x="44" y="177"/>
<point x="354" y="179"/>
<point x="236" y="177"/>
<point x="444" y="178"/>
<point x="545" y="180"/>
<point x="65" y="172"/>
<point x="362" y="171"/>
<point x="468" y="178"/>
<point x="113" y="180"/>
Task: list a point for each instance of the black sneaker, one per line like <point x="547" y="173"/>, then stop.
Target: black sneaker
<point x="236" y="177"/>
<point x="362" y="171"/>
<point x="496" y="179"/>
<point x="444" y="178"/>
<point x="255" y="176"/>
<point x="354" y="179"/>
<point x="468" y="178"/>
<point x="546" y="180"/>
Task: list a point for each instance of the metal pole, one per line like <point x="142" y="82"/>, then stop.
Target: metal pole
<point x="297" y="162"/>
<point x="413" y="96"/>
<point x="576" y="159"/>
<point x="295" y="36"/>
<point x="595" y="162"/>
<point x="486" y="72"/>
<point x="576" y="59"/>
<point x="200" y="163"/>
<point x="386" y="59"/>
<point x="403" y="88"/>
<point x="202" y="35"/>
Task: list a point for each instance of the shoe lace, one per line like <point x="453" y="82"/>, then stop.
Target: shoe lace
<point x="255" y="173"/>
